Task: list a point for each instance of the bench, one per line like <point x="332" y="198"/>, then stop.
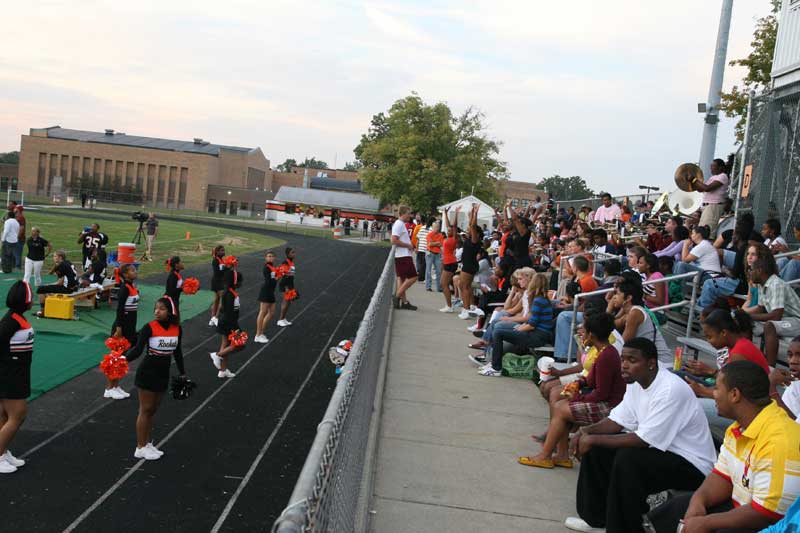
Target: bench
<point x="87" y="296"/>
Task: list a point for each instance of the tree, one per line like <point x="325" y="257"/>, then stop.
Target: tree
<point x="312" y="162"/>
<point x="353" y="166"/>
<point x="287" y="165"/>
<point x="759" y="69"/>
<point x="566" y="188"/>
<point x="9" y="157"/>
<point x="424" y="156"/>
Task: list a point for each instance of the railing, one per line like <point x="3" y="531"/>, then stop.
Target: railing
<point x="333" y="490"/>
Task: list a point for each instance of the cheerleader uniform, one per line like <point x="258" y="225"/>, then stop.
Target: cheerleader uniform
<point x="175" y="288"/>
<point x="217" y="274"/>
<point x="287" y="281"/>
<point x="16" y="352"/>
<point x="267" y="292"/>
<point x="127" y="312"/>
<point x="229" y="313"/>
<point x="163" y="342"/>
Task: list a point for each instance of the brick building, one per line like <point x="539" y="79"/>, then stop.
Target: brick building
<point x="8" y="176"/>
<point x="520" y="192"/>
<point x="152" y="172"/>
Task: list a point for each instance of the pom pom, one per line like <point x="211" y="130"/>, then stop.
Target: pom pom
<point x="238" y="338"/>
<point x="290" y="295"/>
<point x="118" y="344"/>
<point x="282" y="270"/>
<point x="571" y="389"/>
<point x="114" y="365"/>
<point x="191" y="285"/>
<point x="230" y="261"/>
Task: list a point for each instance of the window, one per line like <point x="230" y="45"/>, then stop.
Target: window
<point x="244" y="206"/>
<point x="223" y="206"/>
<point x="4" y="183"/>
<point x="212" y="205"/>
<point x="234" y="208"/>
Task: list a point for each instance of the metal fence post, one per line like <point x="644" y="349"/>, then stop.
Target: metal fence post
<point x="744" y="155"/>
<point x="693" y="302"/>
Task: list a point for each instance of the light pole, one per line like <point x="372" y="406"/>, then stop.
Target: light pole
<point x="648" y="188"/>
<point x="711" y="107"/>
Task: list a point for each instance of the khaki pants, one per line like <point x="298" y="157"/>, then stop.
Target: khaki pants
<point x="710" y="217"/>
<point x="150" y="239"/>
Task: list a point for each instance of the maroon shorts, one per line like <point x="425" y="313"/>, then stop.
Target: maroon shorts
<point x="404" y="267"/>
<point x="588" y="413"/>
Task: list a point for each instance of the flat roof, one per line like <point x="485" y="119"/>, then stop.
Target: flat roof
<point x="327" y="198"/>
<point x="152" y="143"/>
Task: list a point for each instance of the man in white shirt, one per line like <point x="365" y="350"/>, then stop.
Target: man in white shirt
<point x="699" y="254"/>
<point x="10" y="239"/>
<point x="608" y="212"/>
<point x="403" y="261"/>
<point x="656" y="439"/>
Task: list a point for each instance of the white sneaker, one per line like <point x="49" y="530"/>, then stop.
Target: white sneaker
<point x="147" y="453"/>
<point x="153" y="448"/>
<point x="6" y="467"/>
<point x="474" y="311"/>
<point x="479" y="360"/>
<point x="114" y="394"/>
<point x="577" y="524"/>
<point x="122" y="392"/>
<point x="217" y="360"/>
<point x="489" y="371"/>
<point x="446" y="309"/>
<point x="108" y="393"/>
<point x="463" y="315"/>
<point x="284" y="323"/>
<point x="10" y="459"/>
<point x="225" y="374"/>
<point x="288" y="322"/>
<point x="213" y="322"/>
<point x="262" y="339"/>
<point x="473" y="327"/>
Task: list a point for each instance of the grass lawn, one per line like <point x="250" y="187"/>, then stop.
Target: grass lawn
<point x="62" y="230"/>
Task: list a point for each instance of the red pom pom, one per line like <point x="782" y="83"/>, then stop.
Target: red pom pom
<point x="290" y="295"/>
<point x="191" y="285"/>
<point x="114" y="365"/>
<point x="117" y="345"/>
<point x="282" y="270"/>
<point x="238" y="338"/>
<point x="230" y="261"/>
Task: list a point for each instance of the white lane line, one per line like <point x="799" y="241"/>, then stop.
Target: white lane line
<point x="283" y="418"/>
<point x="121" y="481"/>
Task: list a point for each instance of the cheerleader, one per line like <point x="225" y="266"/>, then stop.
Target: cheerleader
<point x="228" y="320"/>
<point x="162" y="337"/>
<point x="16" y="351"/>
<point x="286" y="285"/>
<point x="266" y="298"/>
<point x="217" y="274"/>
<point x="175" y="283"/>
<point x="125" y="322"/>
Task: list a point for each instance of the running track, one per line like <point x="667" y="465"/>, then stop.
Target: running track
<point x="232" y="451"/>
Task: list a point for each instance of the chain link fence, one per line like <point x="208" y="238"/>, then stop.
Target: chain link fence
<point x="334" y="487"/>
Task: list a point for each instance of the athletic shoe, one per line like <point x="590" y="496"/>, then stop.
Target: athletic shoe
<point x="473" y="328"/>
<point x="122" y="392"/>
<point x="6" y="467"/>
<point x="213" y="322"/>
<point x="10" y="459"/>
<point x="577" y="524"/>
<point x="284" y="323"/>
<point x="108" y="393"/>
<point x="396" y="302"/>
<point x="489" y="371"/>
<point x="408" y="305"/>
<point x="145" y="452"/>
<point x="478" y="360"/>
<point x="446" y="310"/>
<point x="153" y="448"/>
<point x="463" y="315"/>
<point x="114" y="394"/>
<point x="261" y="339"/>
<point x="225" y="374"/>
<point x="217" y="360"/>
<point x="474" y="311"/>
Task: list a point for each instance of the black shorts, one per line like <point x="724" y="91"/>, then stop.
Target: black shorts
<point x="266" y="295"/>
<point x="450" y="267"/>
<point x="153" y="373"/>
<point x="15" y="378"/>
<point x="55" y="289"/>
<point x="217" y="285"/>
<point x="223" y="328"/>
<point x="469" y="268"/>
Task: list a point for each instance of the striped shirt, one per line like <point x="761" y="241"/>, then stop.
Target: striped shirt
<point x="541" y="314"/>
<point x="422" y="239"/>
<point x="763" y="462"/>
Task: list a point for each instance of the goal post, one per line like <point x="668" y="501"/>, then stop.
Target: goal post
<point x="15" y="195"/>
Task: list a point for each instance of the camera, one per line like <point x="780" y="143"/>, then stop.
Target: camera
<point x="140" y="216"/>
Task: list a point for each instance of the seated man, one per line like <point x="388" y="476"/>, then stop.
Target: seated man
<point x="778" y="311"/>
<point x="656" y="439"/>
<point x="699" y="254"/>
<point x="66" y="283"/>
<point x="755" y="479"/>
<point x="790" y="266"/>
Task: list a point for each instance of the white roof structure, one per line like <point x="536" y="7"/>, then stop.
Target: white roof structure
<point x="485" y="211"/>
<point x="326" y="198"/>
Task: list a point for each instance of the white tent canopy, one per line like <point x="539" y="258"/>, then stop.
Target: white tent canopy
<point x="485" y="211"/>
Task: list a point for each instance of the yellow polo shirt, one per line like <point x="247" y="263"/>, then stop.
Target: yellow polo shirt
<point x="763" y="462"/>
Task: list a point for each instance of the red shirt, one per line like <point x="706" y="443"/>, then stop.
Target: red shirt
<point x="749" y="351"/>
<point x="449" y="251"/>
<point x="588" y="283"/>
<point x="605" y="379"/>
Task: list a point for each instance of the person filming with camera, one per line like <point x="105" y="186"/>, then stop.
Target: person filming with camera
<point x="151" y="225"/>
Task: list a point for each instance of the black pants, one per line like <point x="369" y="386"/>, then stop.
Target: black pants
<point x="665" y="518"/>
<point x="421" y="266"/>
<point x="614" y="484"/>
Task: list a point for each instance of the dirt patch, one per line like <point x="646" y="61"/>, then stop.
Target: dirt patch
<point x="232" y="241"/>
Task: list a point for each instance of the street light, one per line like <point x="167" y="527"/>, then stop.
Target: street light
<point x="648" y="188"/>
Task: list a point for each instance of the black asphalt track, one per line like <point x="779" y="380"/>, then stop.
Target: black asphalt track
<point x="82" y="476"/>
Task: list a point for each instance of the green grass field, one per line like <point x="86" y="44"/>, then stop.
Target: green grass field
<point x="62" y="230"/>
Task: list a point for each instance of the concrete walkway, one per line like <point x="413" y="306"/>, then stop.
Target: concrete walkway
<point x="450" y="438"/>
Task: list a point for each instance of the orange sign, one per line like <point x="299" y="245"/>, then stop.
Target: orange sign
<point x="748" y="178"/>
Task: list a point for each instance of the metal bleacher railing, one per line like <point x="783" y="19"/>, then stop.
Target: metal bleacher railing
<point x="333" y="490"/>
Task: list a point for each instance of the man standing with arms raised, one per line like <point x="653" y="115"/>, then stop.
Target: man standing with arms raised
<point x="403" y="262"/>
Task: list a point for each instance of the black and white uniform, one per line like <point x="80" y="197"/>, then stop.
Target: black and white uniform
<point x="175" y="288"/>
<point x="16" y="353"/>
<point x="127" y="311"/>
<point x="69" y="280"/>
<point x="287" y="281"/>
<point x="163" y="342"/>
<point x="267" y="292"/>
<point x="217" y="274"/>
<point x="229" y="312"/>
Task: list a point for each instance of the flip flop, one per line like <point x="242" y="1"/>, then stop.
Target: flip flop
<point x="564" y="463"/>
<point x="536" y="463"/>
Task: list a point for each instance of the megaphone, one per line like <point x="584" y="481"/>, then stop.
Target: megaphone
<point x="684" y="202"/>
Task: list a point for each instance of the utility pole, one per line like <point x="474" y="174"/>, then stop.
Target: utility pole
<point x="711" y="107"/>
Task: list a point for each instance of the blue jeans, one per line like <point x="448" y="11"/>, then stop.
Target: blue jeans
<point x="497" y="324"/>
<point x="683" y="268"/>
<point x="564" y="334"/>
<point x="791" y="271"/>
<point x="728" y="258"/>
<point x="433" y="263"/>
<point x="525" y="339"/>
<point x="716" y="288"/>
<point x="18" y="248"/>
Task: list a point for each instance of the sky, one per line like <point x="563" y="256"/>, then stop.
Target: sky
<point x="605" y="90"/>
